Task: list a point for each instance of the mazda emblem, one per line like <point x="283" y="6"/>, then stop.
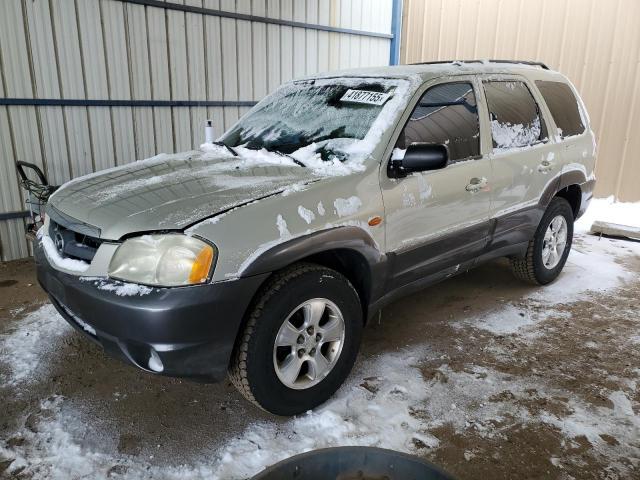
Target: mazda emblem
<point x="59" y="242"/>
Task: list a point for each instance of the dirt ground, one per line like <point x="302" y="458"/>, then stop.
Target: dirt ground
<point x="548" y="391"/>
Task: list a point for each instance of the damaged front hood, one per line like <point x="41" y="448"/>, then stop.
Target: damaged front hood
<point x="170" y="192"/>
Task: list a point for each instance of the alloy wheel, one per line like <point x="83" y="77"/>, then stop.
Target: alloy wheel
<point x="308" y="343"/>
<point x="554" y="242"/>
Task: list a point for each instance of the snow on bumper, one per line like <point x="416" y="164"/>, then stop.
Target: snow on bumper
<point x="181" y="332"/>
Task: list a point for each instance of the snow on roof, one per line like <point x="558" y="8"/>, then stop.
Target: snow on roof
<point x="428" y="71"/>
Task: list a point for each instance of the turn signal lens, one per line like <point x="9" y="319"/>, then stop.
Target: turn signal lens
<point x="375" y="221"/>
<point x="201" y="265"/>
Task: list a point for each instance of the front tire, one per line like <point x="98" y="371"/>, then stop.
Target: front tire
<point x="300" y="342"/>
<point x="549" y="248"/>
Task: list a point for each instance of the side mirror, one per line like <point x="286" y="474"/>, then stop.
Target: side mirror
<point x="420" y="157"/>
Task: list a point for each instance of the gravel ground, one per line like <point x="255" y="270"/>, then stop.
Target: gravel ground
<point x="480" y="374"/>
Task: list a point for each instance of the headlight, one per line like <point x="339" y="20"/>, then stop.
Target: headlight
<point x="167" y="260"/>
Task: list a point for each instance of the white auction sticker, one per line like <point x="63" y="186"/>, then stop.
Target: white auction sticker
<point x="365" y="96"/>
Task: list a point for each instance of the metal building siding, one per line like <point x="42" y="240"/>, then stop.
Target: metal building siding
<point x="16" y="79"/>
<point x="596" y="44"/>
<point x="117" y="50"/>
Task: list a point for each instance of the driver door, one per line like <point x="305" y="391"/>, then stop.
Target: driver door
<point x="438" y="220"/>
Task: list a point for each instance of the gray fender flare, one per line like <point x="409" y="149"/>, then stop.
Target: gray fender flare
<point x="338" y="238"/>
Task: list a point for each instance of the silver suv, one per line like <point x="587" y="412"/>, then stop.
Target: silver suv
<point x="263" y="254"/>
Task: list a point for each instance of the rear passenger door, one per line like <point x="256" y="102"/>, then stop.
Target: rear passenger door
<point x="439" y="219"/>
<point x="523" y="158"/>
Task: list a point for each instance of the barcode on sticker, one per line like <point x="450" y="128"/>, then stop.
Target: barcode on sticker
<point x="365" y="96"/>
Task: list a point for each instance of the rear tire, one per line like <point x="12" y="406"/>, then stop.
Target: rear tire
<point x="284" y="332"/>
<point x="547" y="252"/>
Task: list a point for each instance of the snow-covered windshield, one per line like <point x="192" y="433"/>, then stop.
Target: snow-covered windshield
<point x="328" y="115"/>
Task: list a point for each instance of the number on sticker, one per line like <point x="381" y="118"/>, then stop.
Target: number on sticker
<point x="365" y="96"/>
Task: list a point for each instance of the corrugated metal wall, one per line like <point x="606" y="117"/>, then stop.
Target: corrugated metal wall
<point x="595" y="43"/>
<point x="125" y="50"/>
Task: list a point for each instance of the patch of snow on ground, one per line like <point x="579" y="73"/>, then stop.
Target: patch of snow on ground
<point x="510" y="319"/>
<point x="608" y="210"/>
<point x="16" y="311"/>
<point x="25" y="348"/>
<point x="592" y="422"/>
<point x="478" y="398"/>
<point x="376" y="415"/>
<point x="53" y="454"/>
<point x="375" y="408"/>
<point x="589" y="268"/>
<point x="387" y="403"/>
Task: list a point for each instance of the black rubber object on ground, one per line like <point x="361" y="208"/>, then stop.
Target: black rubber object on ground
<point x="353" y="463"/>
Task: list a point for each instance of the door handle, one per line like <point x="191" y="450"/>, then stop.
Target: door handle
<point x="545" y="166"/>
<point x="476" y="184"/>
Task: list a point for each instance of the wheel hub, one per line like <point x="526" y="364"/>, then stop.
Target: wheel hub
<point x="554" y="242"/>
<point x="309" y="343"/>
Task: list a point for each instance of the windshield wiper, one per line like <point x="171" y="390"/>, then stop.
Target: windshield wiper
<point x="282" y="154"/>
<point x="233" y="152"/>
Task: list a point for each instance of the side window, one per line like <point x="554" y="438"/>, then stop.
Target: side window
<point x="515" y="117"/>
<point x="563" y="106"/>
<point x="446" y="114"/>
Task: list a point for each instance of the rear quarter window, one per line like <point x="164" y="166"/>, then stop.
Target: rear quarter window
<point x="563" y="106"/>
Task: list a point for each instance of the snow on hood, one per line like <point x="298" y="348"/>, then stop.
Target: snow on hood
<point x="174" y="191"/>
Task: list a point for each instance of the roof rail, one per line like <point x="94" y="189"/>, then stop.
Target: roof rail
<point x="523" y="62"/>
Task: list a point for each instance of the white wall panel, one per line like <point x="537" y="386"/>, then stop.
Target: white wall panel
<point x="19" y="124"/>
<point x="179" y="79"/>
<point x="324" y="18"/>
<point x="196" y="71"/>
<point x="260" y="51"/>
<point x="72" y="86"/>
<point x="213" y="53"/>
<point x="140" y="75"/>
<point x="244" y="51"/>
<point x="46" y="85"/>
<point x="110" y="50"/>
<point x="118" y="77"/>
